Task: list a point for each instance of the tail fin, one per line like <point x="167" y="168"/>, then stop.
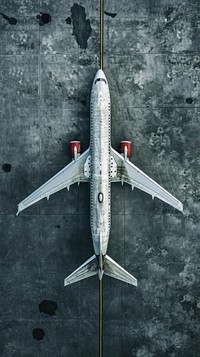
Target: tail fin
<point x="114" y="270"/>
<point x="87" y="269"/>
<point x="92" y="267"/>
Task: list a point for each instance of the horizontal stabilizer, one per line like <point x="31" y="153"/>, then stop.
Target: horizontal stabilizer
<point x="111" y="268"/>
<point x="87" y="269"/>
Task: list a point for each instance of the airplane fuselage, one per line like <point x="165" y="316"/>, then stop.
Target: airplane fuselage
<point x="100" y="165"/>
<point x="100" y="144"/>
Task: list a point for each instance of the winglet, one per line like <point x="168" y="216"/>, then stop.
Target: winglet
<point x="20" y="208"/>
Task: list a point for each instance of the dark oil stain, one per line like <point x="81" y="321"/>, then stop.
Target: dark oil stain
<point x="68" y="21"/>
<point x="81" y="27"/>
<point x="38" y="334"/>
<point x="189" y="100"/>
<point x="111" y="14"/>
<point x="44" y="18"/>
<point x="58" y="226"/>
<point x="6" y="167"/>
<point x="48" y="307"/>
<point x="11" y="20"/>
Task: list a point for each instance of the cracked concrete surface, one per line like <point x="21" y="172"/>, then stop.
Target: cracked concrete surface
<point x="152" y="63"/>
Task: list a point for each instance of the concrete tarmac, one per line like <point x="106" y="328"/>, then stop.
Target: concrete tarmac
<point x="152" y="63"/>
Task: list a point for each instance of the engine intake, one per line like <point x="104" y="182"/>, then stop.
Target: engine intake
<point x="126" y="149"/>
<point x="75" y="149"/>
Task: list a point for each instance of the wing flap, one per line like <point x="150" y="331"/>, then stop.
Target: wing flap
<point x="72" y="173"/>
<point x="128" y="172"/>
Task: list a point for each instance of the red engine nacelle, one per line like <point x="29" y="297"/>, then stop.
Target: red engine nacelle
<point x="126" y="148"/>
<point x="75" y="149"/>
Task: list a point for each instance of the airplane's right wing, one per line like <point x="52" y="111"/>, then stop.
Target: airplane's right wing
<point x="74" y="172"/>
<point x="128" y="172"/>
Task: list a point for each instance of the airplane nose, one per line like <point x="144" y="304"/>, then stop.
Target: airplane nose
<point x="100" y="75"/>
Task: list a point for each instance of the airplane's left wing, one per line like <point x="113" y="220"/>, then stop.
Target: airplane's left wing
<point x="128" y="172"/>
<point x="72" y="173"/>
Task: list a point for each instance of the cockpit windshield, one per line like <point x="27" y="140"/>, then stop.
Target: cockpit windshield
<point x="100" y="79"/>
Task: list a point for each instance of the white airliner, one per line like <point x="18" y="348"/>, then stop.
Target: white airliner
<point x="100" y="165"/>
